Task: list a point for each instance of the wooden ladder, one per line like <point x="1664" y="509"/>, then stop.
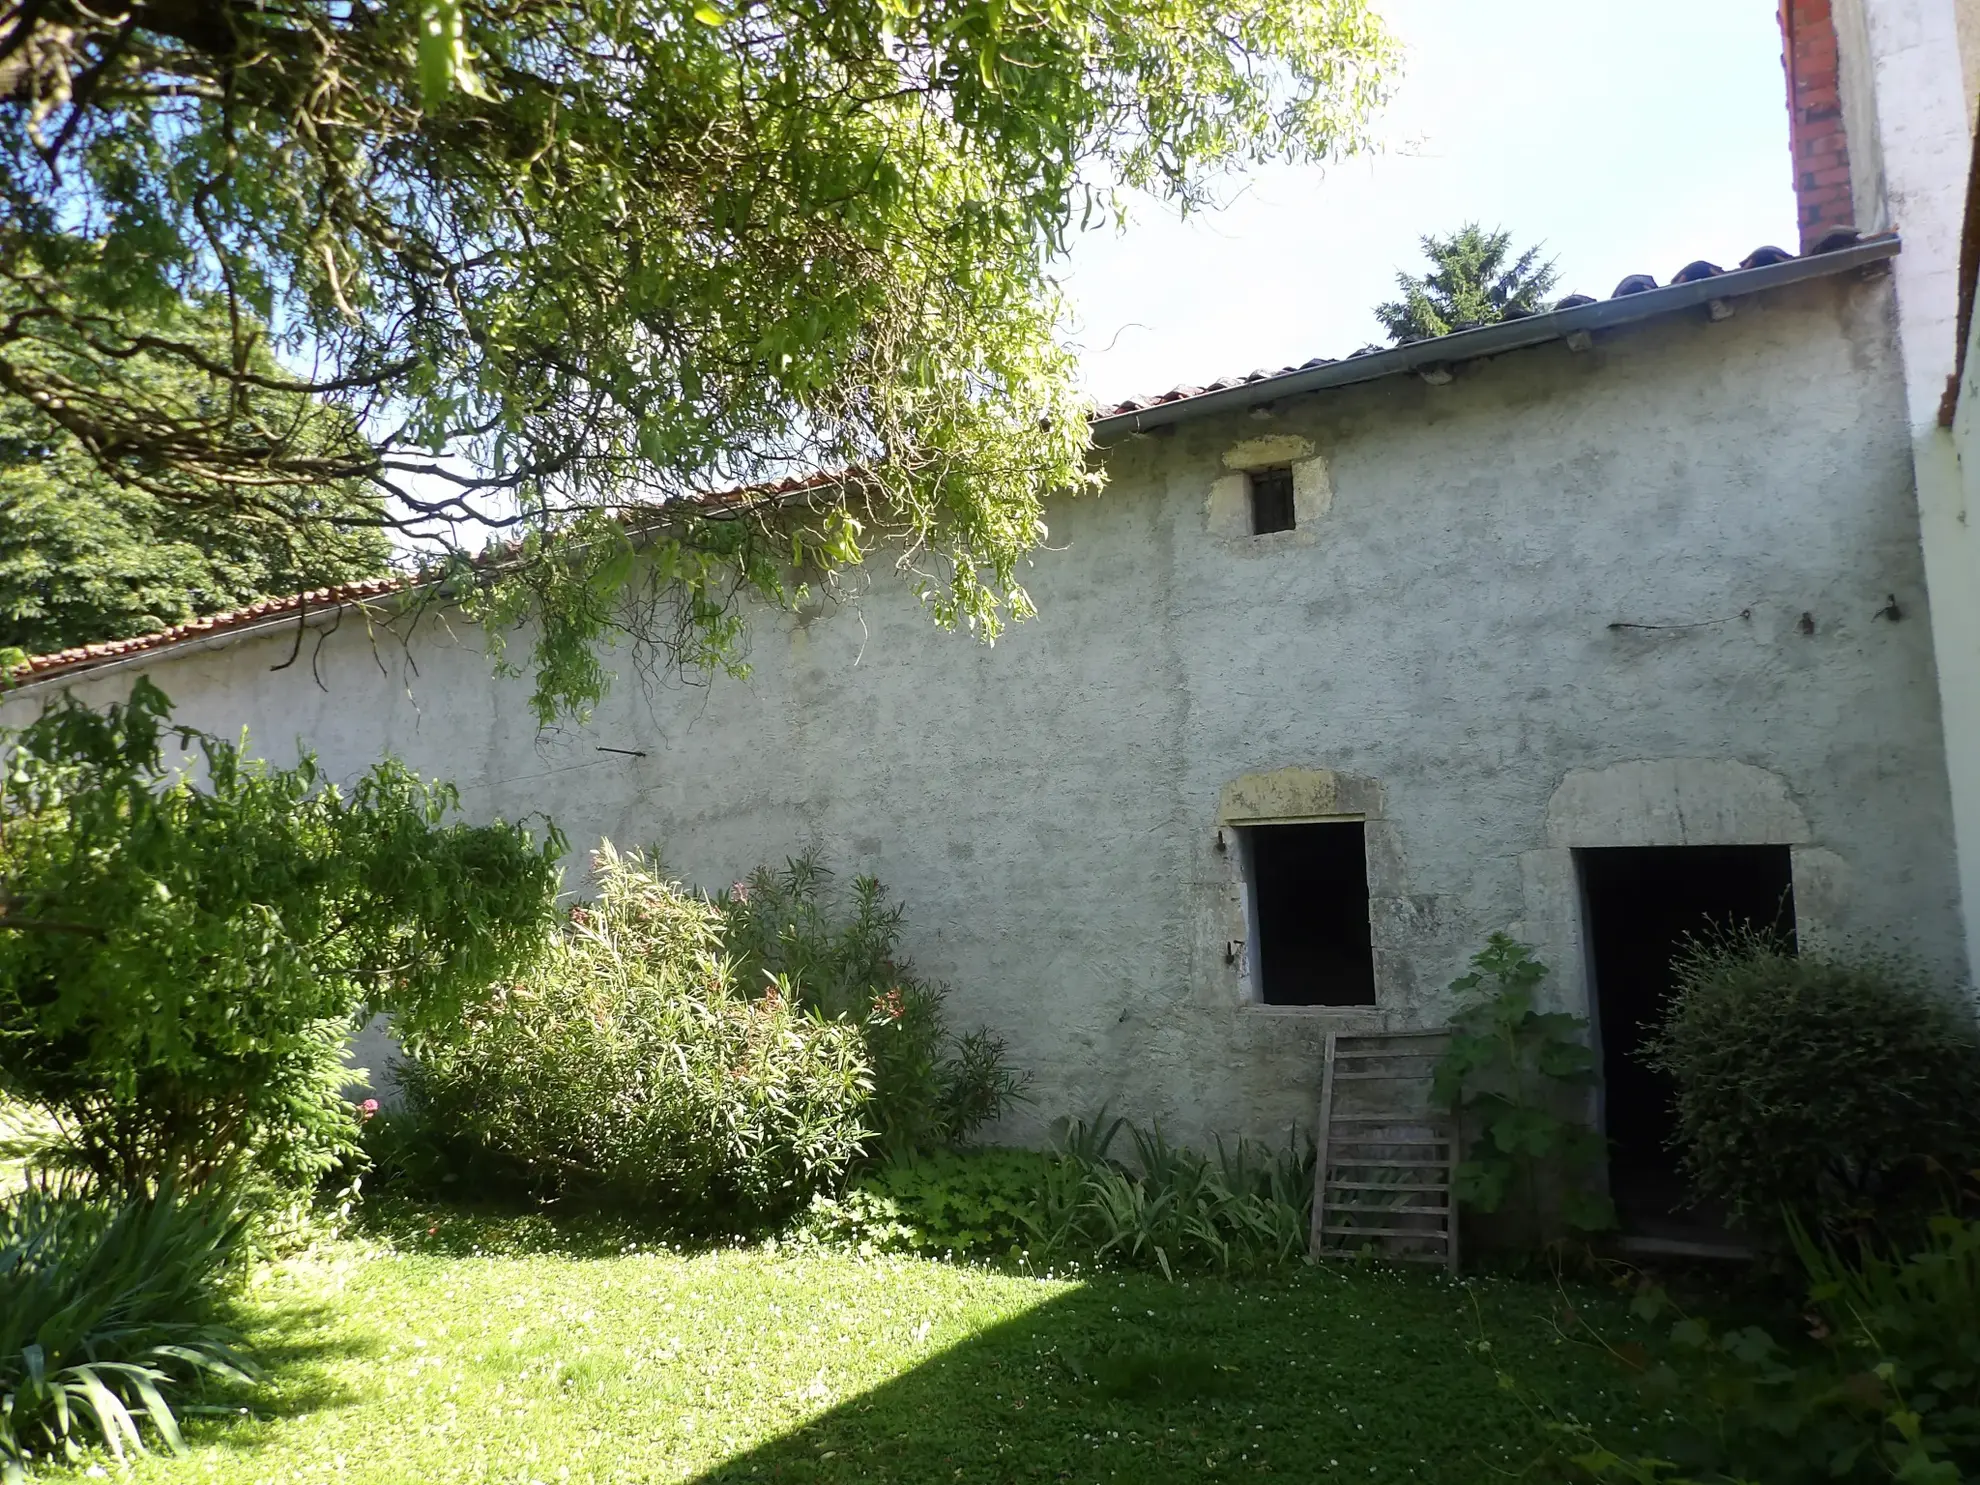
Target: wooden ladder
<point x="1382" y="1182"/>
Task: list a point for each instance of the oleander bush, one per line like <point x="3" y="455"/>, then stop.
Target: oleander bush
<point x="1844" y="1092"/>
<point x="631" y="1067"/>
<point x="931" y="1088"/>
<point x="716" y="1059"/>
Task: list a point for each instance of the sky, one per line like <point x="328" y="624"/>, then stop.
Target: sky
<point x="1627" y="139"/>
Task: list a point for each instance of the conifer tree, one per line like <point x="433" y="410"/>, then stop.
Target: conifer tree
<point x="1469" y="284"/>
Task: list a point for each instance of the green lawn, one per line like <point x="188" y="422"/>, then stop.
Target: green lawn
<point x="504" y="1351"/>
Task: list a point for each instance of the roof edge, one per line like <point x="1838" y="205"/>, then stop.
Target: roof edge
<point x="319" y="606"/>
<point x="1507" y="335"/>
<point x="307" y="610"/>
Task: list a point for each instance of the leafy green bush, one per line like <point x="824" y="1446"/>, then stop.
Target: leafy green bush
<point x="971" y="1202"/>
<point x="107" y="1316"/>
<point x="1512" y="1074"/>
<point x="929" y="1088"/>
<point x="1842" y="1091"/>
<point x="1886" y="1387"/>
<point x="185" y="959"/>
<point x="630" y="1067"/>
<point x="1243" y="1210"/>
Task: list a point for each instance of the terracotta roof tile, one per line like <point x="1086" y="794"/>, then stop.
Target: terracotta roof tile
<point x="82" y="656"/>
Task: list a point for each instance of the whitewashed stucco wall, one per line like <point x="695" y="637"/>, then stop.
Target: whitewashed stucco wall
<point x="1907" y="104"/>
<point x="1437" y="633"/>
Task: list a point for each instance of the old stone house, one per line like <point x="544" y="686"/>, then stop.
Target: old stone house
<point x="1590" y="626"/>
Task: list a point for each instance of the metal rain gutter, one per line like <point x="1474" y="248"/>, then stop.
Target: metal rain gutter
<point x="1507" y="335"/>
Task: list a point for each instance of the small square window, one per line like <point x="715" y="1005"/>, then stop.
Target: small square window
<point x="1309" y="898"/>
<point x="1271" y="500"/>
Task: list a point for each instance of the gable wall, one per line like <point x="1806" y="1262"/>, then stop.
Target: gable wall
<point x="1432" y="647"/>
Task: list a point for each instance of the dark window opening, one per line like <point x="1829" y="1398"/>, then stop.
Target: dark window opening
<point x="1271" y="500"/>
<point x="1309" y="887"/>
<point x="1645" y="904"/>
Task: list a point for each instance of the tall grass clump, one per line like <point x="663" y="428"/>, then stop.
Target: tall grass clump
<point x="109" y="1316"/>
<point x="1161" y="1206"/>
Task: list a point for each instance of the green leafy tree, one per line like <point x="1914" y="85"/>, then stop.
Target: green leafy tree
<point x="88" y="556"/>
<point x="566" y="262"/>
<point x="1470" y="283"/>
<point x="181" y="962"/>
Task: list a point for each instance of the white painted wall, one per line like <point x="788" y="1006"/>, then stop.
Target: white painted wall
<point x="1908" y="121"/>
<point x="1436" y="637"/>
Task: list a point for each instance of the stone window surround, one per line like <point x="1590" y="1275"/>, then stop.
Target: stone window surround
<point x="1305" y="796"/>
<point x="1227" y="510"/>
<point x="1640" y="802"/>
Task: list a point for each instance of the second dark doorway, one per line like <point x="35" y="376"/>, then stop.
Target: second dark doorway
<point x="1644" y="905"/>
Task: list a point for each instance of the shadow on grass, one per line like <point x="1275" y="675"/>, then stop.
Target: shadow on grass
<point x="1363" y="1377"/>
<point x="294" y="1348"/>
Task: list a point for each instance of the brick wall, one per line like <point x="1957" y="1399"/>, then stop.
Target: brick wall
<point x="1815" y="121"/>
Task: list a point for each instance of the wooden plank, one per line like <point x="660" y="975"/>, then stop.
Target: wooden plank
<point x="1387" y="1185"/>
<point x="1414" y="1121"/>
<point x="1326" y="1128"/>
<point x="1428" y="1234"/>
<point x="1451" y="1222"/>
<point x="1383" y="1210"/>
<point x="1378" y="1164"/>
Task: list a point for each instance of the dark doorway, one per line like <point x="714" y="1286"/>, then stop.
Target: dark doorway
<point x="1309" y="888"/>
<point x="1644" y="904"/>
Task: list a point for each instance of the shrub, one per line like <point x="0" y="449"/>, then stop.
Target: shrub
<point x="1841" y="1091"/>
<point x="929" y="1088"/>
<point x="185" y="961"/>
<point x="630" y="1067"/>
<point x="1886" y="1386"/>
<point x="107" y="1315"/>
<point x="966" y="1202"/>
<point x="1513" y="1073"/>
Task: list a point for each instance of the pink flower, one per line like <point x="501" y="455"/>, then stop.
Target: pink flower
<point x="368" y="1108"/>
<point x="740" y="891"/>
